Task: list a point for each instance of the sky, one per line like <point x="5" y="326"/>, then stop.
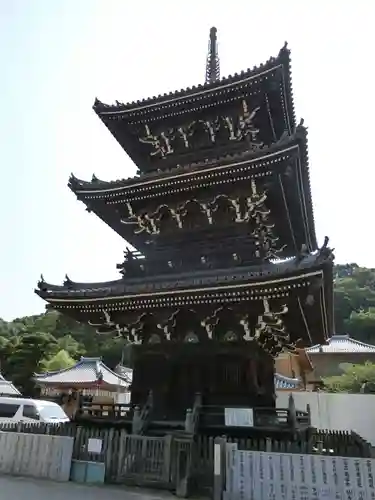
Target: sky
<point x="57" y="56"/>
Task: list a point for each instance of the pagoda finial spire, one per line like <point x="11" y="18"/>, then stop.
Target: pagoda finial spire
<point x="213" y="61"/>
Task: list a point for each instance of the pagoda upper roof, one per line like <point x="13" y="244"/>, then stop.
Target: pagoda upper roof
<point x="266" y="89"/>
<point x="197" y="93"/>
<point x="88" y="372"/>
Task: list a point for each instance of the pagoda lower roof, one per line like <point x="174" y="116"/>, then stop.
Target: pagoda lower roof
<point x="262" y="275"/>
<point x="304" y="284"/>
<point x="284" y="163"/>
<point x="269" y="84"/>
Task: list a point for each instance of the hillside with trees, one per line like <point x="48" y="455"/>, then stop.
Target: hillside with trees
<point x="51" y="341"/>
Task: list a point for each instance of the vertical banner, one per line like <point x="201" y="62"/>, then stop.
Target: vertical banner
<point x="368" y="471"/>
<point x="231" y="454"/>
<point x="253" y="475"/>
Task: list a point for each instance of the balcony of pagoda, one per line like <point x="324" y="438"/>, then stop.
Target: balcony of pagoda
<point x="211" y="420"/>
<point x="238" y="113"/>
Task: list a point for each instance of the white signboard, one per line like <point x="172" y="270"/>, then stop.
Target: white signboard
<point x="94" y="445"/>
<point x="239" y="417"/>
<point x="286" y="476"/>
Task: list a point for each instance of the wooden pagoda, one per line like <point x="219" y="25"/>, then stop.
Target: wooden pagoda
<point x="227" y="273"/>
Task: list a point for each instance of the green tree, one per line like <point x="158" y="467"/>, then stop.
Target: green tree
<point x="69" y="344"/>
<point x="355" y="302"/>
<point x="7" y="346"/>
<point x="113" y="351"/>
<point x="59" y="361"/>
<point x="352" y="379"/>
<point x="27" y="357"/>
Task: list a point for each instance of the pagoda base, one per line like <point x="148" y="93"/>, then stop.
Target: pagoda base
<point x="224" y="375"/>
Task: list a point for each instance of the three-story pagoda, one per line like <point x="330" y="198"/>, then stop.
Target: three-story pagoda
<point x="227" y="273"/>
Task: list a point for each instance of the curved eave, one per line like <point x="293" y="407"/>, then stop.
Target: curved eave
<point x="220" y="280"/>
<point x="147" y="106"/>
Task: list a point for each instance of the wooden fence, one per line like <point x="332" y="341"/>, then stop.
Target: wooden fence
<point x="34" y="455"/>
<point x="180" y="462"/>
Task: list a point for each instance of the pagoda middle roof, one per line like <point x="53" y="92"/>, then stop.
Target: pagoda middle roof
<point x="108" y="199"/>
<point x="183" y="174"/>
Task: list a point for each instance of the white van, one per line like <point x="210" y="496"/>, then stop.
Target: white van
<point x="31" y="410"/>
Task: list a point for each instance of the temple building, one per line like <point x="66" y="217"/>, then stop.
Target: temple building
<point x="331" y="357"/>
<point x="296" y="366"/>
<point x="89" y="379"/>
<point x="227" y="274"/>
<point x="7" y="388"/>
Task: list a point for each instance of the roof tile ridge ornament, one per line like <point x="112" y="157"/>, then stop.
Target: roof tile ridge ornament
<point x="74" y="183"/>
<point x="301" y="129"/>
<point x="43" y="285"/>
<point x="68" y="283"/>
<point x="325" y="253"/>
<point x="284" y="50"/>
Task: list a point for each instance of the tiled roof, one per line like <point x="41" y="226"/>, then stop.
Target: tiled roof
<point x="341" y="343"/>
<point x="282" y="382"/>
<point x="7" y="388"/>
<point x="86" y="371"/>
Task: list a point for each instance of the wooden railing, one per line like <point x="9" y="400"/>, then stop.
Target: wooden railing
<point x="264" y="418"/>
<point x="104" y="411"/>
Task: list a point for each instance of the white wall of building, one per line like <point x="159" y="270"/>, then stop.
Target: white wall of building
<point x="346" y="412"/>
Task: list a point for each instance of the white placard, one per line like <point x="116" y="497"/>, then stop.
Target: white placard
<point x="94" y="445"/>
<point x="239" y="417"/>
<point x="217" y="459"/>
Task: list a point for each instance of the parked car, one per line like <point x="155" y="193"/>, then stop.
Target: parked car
<point x="31" y="410"/>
